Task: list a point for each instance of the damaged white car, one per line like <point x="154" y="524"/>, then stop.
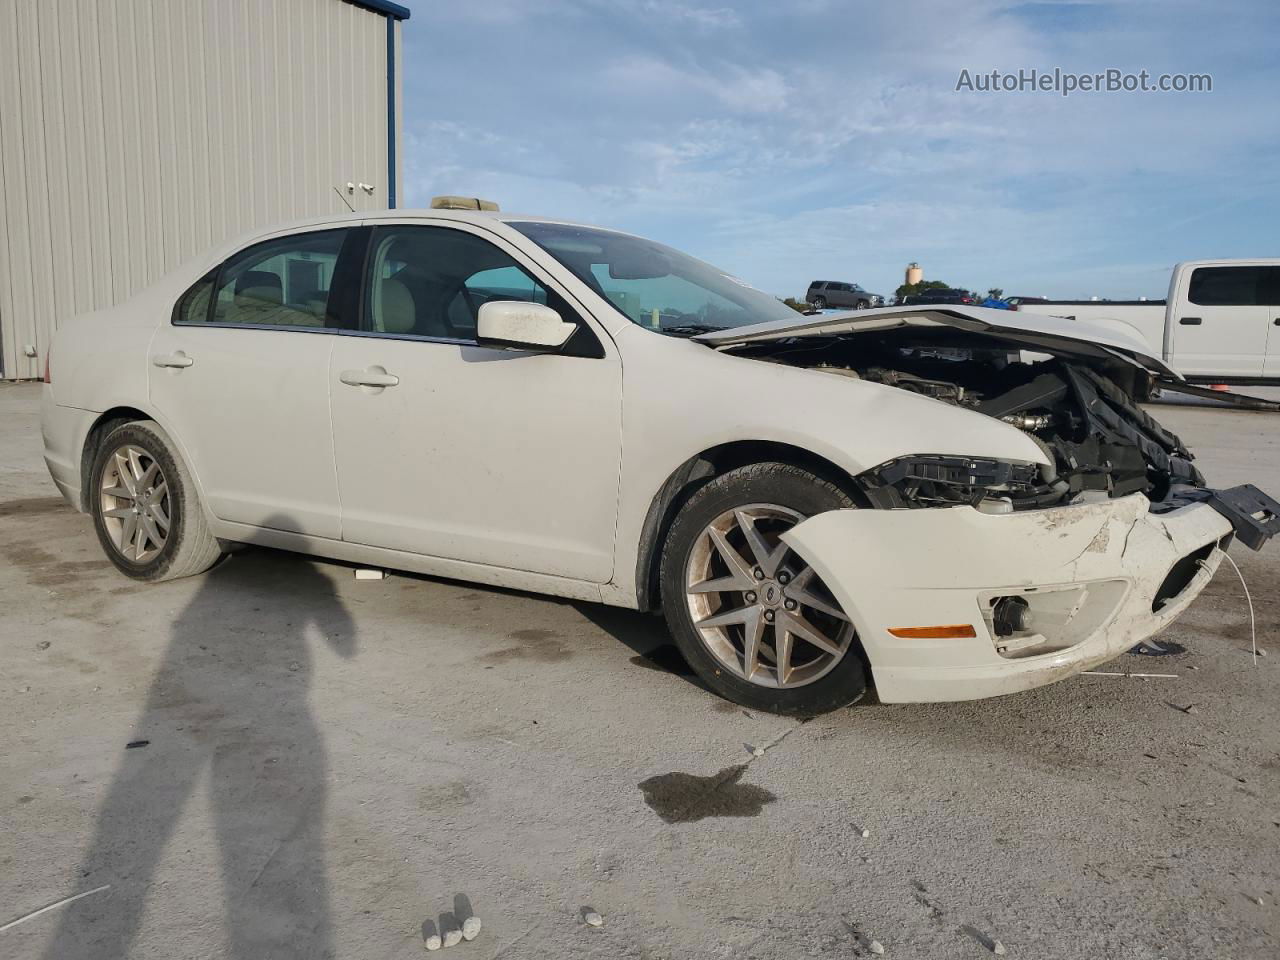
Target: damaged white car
<point x="947" y="502"/>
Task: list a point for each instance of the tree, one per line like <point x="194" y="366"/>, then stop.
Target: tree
<point x="907" y="289"/>
<point x="799" y="306"/>
<point x="995" y="293"/>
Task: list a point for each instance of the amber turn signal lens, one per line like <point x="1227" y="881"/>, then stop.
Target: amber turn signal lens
<point x="952" y="631"/>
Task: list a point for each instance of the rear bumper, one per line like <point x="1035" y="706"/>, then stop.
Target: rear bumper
<point x="64" y="430"/>
<point x="1091" y="575"/>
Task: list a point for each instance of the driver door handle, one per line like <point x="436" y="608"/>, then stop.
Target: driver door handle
<point x="178" y="360"/>
<point x="367" y="378"/>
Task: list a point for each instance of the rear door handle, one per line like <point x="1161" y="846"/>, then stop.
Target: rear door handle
<point x="367" y="378"/>
<point x="1190" y="321"/>
<point x="178" y="360"/>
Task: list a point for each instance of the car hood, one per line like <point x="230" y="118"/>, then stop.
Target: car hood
<point x="1095" y="340"/>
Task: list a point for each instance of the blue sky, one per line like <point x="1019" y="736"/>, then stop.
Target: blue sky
<point x="788" y="141"/>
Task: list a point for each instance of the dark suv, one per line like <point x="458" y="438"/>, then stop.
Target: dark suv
<point x="833" y="293"/>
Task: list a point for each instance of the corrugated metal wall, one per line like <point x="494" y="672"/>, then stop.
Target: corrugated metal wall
<point x="135" y="134"/>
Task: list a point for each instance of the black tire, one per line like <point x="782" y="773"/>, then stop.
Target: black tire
<point x="819" y="303"/>
<point x="189" y="547"/>
<point x="777" y="484"/>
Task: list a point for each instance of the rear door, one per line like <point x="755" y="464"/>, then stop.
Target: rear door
<point x="452" y="449"/>
<point x="1271" y="296"/>
<point x="1221" y="323"/>
<point x="240" y="376"/>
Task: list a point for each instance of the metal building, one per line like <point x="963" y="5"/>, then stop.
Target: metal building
<point x="135" y="134"/>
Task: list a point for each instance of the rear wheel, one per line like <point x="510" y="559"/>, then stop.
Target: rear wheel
<point x="749" y="614"/>
<point x="819" y="303"/>
<point x="145" y="508"/>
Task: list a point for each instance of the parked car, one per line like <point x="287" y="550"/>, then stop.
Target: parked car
<point x="1219" y="324"/>
<point x="834" y="293"/>
<point x="941" y="295"/>
<point x="1016" y="302"/>
<point x="814" y="503"/>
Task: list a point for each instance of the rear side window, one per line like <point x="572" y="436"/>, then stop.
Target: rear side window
<point x="1226" y="286"/>
<point x="280" y="283"/>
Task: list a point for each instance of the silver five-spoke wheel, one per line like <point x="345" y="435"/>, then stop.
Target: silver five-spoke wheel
<point x="135" y="503"/>
<point x="759" y="609"/>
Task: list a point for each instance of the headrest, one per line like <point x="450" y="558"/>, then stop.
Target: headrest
<point x="259" y="278"/>
<point x="396" y="309"/>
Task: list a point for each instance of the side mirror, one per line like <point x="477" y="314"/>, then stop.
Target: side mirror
<point x="514" y="323"/>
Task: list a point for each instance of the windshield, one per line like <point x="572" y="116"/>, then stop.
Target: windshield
<point x="653" y="285"/>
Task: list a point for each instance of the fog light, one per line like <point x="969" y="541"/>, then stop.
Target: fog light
<point x="1011" y="615"/>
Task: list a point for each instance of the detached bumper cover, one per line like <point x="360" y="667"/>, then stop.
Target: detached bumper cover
<point x="1098" y="578"/>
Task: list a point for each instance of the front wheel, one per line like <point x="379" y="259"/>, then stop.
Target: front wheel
<point x="752" y="618"/>
<point x="819" y="303"/>
<point x="145" y="508"/>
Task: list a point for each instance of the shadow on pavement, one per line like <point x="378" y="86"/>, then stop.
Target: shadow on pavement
<point x="227" y="710"/>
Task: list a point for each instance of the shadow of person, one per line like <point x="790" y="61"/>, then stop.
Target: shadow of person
<point x="227" y="708"/>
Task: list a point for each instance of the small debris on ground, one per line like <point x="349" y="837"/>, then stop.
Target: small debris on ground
<point x="876" y="947"/>
<point x="1190" y="708"/>
<point x="452" y="937"/>
<point x="135" y="744"/>
<point x="1261" y="652"/>
<point x="430" y="938"/>
<point x="470" y="928"/>
<point x="591" y="918"/>
<point x="1258" y="901"/>
<point x="294" y="666"/>
<point x="42" y="645"/>
<point x="865" y="833"/>
<point x="366" y="573"/>
<point x="754" y="751"/>
<point x="997" y="948"/>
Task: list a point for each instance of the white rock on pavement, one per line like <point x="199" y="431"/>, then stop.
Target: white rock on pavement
<point x="432" y="942"/>
<point x="592" y="919"/>
<point x="997" y="948"/>
<point x="470" y="928"/>
<point x="876" y="947"/>
<point x="452" y="937"/>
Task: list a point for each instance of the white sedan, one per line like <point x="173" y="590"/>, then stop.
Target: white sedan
<point x="947" y="502"/>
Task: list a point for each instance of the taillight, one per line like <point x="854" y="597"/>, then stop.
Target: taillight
<point x="47" y="378"/>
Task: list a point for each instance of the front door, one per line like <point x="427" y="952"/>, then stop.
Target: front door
<point x="1222" y="323"/>
<point x="451" y="449"/>
<point x="241" y="378"/>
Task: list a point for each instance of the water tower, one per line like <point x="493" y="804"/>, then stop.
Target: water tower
<point x="914" y="273"/>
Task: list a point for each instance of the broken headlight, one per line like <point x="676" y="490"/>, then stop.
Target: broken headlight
<point x="946" y="481"/>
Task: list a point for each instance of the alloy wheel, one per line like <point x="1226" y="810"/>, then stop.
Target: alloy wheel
<point x="759" y="609"/>
<point x="134" y="498"/>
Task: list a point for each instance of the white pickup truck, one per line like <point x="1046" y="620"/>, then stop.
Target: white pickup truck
<point x="1220" y="323"/>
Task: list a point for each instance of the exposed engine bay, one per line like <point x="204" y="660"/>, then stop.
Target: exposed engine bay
<point x="1082" y="411"/>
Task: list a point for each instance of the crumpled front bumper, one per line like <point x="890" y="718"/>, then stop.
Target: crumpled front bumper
<point x="1090" y="573"/>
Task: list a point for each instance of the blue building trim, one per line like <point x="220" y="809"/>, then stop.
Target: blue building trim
<point x="391" y="110"/>
<point x="392" y="10"/>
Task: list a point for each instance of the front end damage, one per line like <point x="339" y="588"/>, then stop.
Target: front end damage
<point x="973" y="577"/>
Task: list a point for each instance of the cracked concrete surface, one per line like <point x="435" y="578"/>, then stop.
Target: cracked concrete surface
<point x="331" y="761"/>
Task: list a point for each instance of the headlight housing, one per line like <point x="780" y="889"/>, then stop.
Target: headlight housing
<point x="937" y="480"/>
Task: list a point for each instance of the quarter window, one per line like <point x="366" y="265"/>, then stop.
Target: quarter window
<point x="279" y="283"/>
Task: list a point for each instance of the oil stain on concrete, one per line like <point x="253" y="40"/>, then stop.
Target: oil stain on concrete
<point x="684" y="797"/>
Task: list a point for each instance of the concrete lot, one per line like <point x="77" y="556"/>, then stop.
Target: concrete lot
<point x="332" y="763"/>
